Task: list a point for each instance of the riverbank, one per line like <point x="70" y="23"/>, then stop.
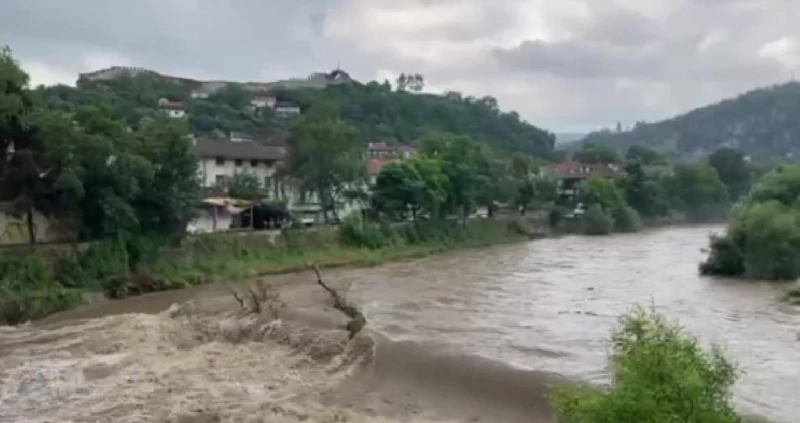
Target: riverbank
<point x="35" y="285"/>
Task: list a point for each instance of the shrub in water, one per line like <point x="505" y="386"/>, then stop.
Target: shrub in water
<point x="659" y="375"/>
<point x="725" y="259"/>
<point x="596" y="221"/>
<point x="626" y="219"/>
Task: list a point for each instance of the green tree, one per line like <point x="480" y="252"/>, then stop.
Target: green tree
<point x="644" y="155"/>
<point x="763" y="236"/>
<point x="24" y="178"/>
<point x="732" y="170"/>
<point x="659" y="374"/>
<point x="396" y="190"/>
<point x="247" y="186"/>
<point x="603" y="192"/>
<point x="596" y="153"/>
<point x="596" y="221"/>
<point x="644" y="192"/>
<point x="325" y="156"/>
<point x="461" y="160"/>
<point x="696" y="190"/>
<point x="170" y="202"/>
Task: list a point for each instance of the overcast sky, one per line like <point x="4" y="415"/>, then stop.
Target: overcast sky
<point x="562" y="64"/>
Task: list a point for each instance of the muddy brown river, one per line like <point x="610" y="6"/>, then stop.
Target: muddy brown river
<point x="543" y="306"/>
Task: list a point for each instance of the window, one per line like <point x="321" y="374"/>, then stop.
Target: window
<point x="267" y="183"/>
<point x="253" y="163"/>
<point x="238" y="162"/>
<point x="220" y="180"/>
<point x="220" y="161"/>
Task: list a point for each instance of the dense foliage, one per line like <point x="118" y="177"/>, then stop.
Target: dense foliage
<point x="86" y="168"/>
<point x="376" y="109"/>
<point x="763" y="236"/>
<point x="760" y="123"/>
<point x="659" y="374"/>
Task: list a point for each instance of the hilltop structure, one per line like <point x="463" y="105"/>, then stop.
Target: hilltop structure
<point x="201" y="89"/>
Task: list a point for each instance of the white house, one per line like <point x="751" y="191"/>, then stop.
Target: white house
<point x="175" y="109"/>
<point x="264" y="102"/>
<point x="221" y="159"/>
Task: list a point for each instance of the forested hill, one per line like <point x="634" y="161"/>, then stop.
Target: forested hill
<point x="763" y="123"/>
<point x="378" y="110"/>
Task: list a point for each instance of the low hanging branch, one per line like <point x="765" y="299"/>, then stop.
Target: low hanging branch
<point x="357" y="319"/>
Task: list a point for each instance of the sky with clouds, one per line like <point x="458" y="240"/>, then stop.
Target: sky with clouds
<point x="562" y="64"/>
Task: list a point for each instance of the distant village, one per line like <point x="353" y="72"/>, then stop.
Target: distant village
<point x="261" y="153"/>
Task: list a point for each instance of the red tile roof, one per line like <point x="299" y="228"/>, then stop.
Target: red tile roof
<point x="374" y="166"/>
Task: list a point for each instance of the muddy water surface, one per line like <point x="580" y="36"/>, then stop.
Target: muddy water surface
<point x="468" y="336"/>
<point x="550" y="305"/>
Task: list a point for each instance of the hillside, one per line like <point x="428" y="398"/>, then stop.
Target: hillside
<point x="379" y="111"/>
<point x="763" y="123"/>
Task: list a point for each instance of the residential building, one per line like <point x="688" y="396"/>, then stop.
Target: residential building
<point x="286" y="110"/>
<point x="175" y="109"/>
<point x="389" y="149"/>
<point x="221" y="159"/>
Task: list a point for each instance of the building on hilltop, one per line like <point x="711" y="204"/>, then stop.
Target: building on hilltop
<point x="202" y="89"/>
<point x="116" y="72"/>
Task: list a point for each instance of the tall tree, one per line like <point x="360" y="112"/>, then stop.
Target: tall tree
<point x="24" y="174"/>
<point x="325" y="155"/>
<point x="732" y="169"/>
<point x="461" y="160"/>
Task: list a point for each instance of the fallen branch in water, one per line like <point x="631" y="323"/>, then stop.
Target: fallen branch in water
<point x="357" y="319"/>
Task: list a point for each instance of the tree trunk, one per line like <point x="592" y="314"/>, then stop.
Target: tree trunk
<point x="31" y="226"/>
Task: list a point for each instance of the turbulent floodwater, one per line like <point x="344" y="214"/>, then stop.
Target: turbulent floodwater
<point x="470" y="336"/>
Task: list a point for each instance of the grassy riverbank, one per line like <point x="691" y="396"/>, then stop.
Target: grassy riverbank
<point x="34" y="285"/>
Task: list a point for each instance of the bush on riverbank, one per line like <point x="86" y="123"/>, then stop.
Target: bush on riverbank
<point x="362" y="233"/>
<point x="763" y="236"/>
<point x="34" y="285"/>
<point x="596" y="221"/>
<point x="659" y="374"/>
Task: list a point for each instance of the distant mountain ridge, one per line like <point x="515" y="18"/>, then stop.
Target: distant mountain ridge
<point x="763" y="122"/>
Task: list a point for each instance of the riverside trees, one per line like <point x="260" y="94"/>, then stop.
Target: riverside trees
<point x="763" y="236"/>
<point x="89" y="168"/>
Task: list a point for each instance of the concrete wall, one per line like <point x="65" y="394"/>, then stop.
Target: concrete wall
<point x="14" y="230"/>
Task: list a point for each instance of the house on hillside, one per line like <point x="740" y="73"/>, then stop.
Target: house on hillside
<point x="174" y="109"/>
<point x="263" y="101"/>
